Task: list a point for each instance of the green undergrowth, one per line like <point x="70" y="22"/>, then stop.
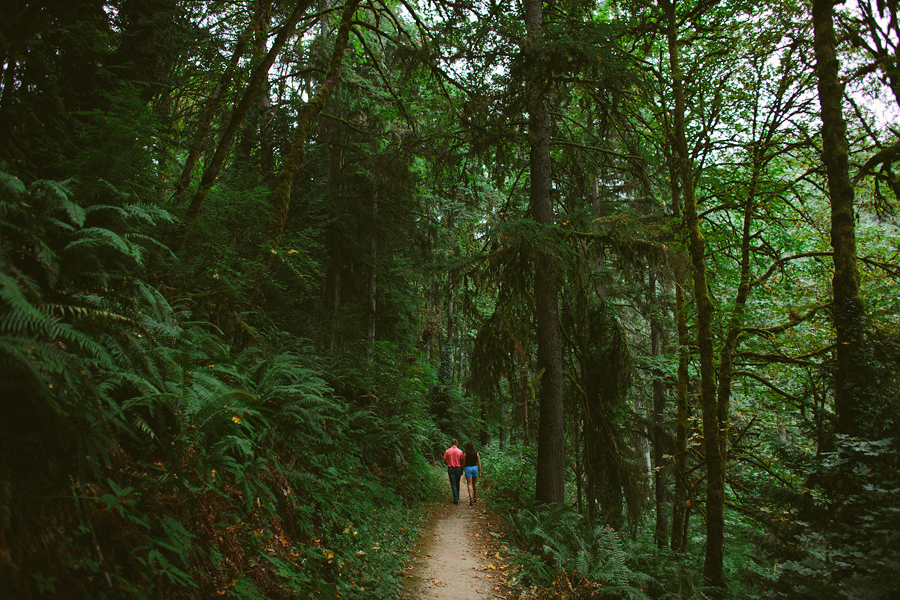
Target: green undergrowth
<point x="555" y="552"/>
<point x="346" y="540"/>
<point x="146" y="454"/>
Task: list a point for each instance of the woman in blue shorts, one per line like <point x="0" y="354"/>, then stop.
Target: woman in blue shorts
<point x="472" y="468"/>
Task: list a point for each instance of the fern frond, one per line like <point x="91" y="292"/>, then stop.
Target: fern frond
<point x="96" y="237"/>
<point x="149" y="214"/>
<point x="614" y="545"/>
<point x="76" y="213"/>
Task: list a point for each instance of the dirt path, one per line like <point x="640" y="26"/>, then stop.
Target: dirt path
<point x="457" y="558"/>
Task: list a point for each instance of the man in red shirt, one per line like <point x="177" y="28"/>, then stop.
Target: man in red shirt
<point x="453" y="458"/>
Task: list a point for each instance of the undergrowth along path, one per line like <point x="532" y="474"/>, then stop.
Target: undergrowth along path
<point x="457" y="557"/>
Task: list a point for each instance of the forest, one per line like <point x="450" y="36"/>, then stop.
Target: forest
<point x="260" y="260"/>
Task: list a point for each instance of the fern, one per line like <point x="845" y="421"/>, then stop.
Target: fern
<point x="614" y="546"/>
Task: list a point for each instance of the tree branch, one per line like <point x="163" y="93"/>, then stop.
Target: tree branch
<point x="889" y="154"/>
<point x="781" y="261"/>
<point x="768" y="384"/>
<point x="788" y="360"/>
<point x="795" y="319"/>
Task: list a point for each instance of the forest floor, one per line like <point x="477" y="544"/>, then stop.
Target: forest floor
<point x="459" y="555"/>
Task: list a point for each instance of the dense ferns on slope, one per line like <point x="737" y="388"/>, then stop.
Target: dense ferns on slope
<point x="142" y="456"/>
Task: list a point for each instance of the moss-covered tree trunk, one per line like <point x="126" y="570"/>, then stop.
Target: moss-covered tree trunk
<point x="281" y="195"/>
<point x="551" y="440"/>
<point x="682" y="424"/>
<point x="715" y="465"/>
<point x="212" y="106"/>
<point x="372" y="274"/>
<point x="849" y="310"/>
<point x="526" y="397"/>
<point x="336" y="140"/>
<point x="251" y="96"/>
<point x="682" y="407"/>
<point x="660" y="460"/>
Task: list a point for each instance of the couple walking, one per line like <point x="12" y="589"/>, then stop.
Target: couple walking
<point x="458" y="462"/>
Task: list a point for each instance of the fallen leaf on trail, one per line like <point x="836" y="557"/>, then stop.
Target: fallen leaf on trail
<point x="489" y="576"/>
<point x="437" y="582"/>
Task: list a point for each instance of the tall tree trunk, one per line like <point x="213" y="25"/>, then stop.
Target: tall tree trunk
<point x="551" y="440"/>
<point x="849" y="310"/>
<point x="251" y="95"/>
<point x="502" y="432"/>
<point x="526" y="396"/>
<point x="643" y="444"/>
<point x="682" y="412"/>
<point x="372" y="273"/>
<point x="682" y="406"/>
<point x="6" y="97"/>
<point x="715" y="465"/>
<point x="661" y="472"/>
<point x="483" y="414"/>
<point x="334" y="236"/>
<point x="281" y="195"/>
<point x="450" y="289"/>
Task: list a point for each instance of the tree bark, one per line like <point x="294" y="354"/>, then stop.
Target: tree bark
<point x="661" y="463"/>
<point x="483" y="414"/>
<point x="334" y="238"/>
<point x="502" y="432"/>
<point x="682" y="411"/>
<point x="281" y="195"/>
<point x="526" y="396"/>
<point x="372" y="274"/>
<point x="551" y="441"/>
<point x="849" y="310"/>
<point x="682" y="406"/>
<point x="715" y="465"/>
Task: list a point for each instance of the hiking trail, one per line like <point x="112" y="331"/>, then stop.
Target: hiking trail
<point x="457" y="557"/>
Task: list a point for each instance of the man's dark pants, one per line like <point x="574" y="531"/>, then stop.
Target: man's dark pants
<point x="454" y="473"/>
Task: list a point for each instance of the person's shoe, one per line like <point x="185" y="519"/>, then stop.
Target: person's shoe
<point x="471" y="502"/>
<point x="456" y="502"/>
